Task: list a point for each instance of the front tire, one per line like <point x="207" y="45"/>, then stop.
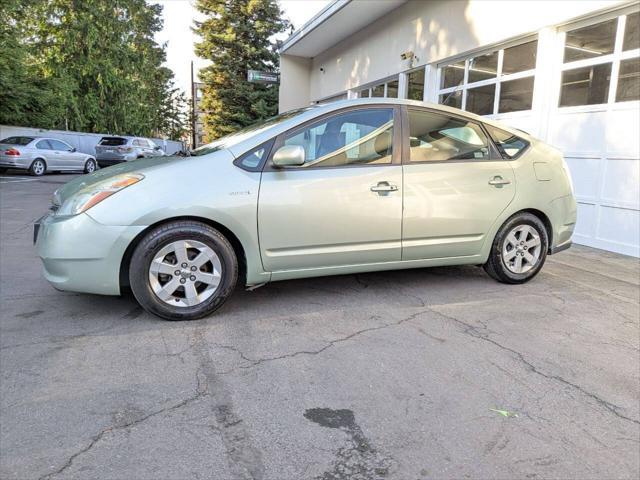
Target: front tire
<point x="519" y="249"/>
<point x="183" y="270"/>
<point x="38" y="167"/>
<point x="90" y="166"/>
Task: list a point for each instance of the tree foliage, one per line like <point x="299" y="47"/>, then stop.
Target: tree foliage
<point x="86" y="65"/>
<point x="237" y="35"/>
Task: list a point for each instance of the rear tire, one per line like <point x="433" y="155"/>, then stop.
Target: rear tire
<point x="183" y="270"/>
<point x="519" y="249"/>
<point x="90" y="166"/>
<point x="38" y="167"/>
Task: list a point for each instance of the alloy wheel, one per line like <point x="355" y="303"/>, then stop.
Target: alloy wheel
<point x="38" y="167"/>
<point x="521" y="249"/>
<point x="185" y="273"/>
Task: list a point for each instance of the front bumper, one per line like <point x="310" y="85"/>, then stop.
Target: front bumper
<point x="81" y="255"/>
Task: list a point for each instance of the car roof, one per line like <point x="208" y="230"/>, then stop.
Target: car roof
<point x="338" y="104"/>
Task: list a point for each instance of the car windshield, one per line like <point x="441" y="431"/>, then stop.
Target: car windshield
<point x="237" y="137"/>
<point x="17" y="140"/>
<point x="112" y="141"/>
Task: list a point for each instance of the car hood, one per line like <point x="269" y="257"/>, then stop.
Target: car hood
<point x="145" y="166"/>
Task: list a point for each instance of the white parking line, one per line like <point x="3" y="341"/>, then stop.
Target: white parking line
<point x="17" y="179"/>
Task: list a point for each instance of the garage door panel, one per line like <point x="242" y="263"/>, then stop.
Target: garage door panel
<point x="585" y="175"/>
<point x="585" y="224"/>
<point x="621" y="180"/>
<point x="619" y="225"/>
<point x="621" y="133"/>
<point x="579" y="132"/>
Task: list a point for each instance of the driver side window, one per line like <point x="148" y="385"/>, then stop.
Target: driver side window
<point x="356" y="137"/>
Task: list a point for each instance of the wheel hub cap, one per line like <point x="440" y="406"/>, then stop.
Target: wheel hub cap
<point x="521" y="249"/>
<point x="185" y="273"/>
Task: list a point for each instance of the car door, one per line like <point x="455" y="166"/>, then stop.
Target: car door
<point x="45" y="150"/>
<point x="343" y="206"/>
<point x="63" y="154"/>
<point x="455" y="185"/>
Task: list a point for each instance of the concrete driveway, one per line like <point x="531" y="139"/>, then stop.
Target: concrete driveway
<point x="424" y="374"/>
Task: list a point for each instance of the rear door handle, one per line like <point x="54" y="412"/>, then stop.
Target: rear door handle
<point x="382" y="188"/>
<point x="498" y="181"/>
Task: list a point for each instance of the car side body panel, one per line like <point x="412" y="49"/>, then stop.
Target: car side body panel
<point x="225" y="195"/>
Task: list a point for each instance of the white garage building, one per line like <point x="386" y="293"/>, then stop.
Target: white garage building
<point x="567" y="72"/>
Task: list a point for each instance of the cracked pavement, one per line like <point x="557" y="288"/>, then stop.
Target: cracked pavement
<point x="392" y="375"/>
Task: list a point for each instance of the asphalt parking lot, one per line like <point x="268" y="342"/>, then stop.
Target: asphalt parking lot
<point x="424" y="374"/>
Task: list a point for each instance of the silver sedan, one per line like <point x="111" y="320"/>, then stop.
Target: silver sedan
<point x="38" y="155"/>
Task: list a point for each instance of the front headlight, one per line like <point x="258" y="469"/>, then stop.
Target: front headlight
<point x="94" y="194"/>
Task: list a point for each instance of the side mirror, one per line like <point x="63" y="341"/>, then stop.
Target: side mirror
<point x="289" y="156"/>
<point x="156" y="147"/>
<point x="73" y="149"/>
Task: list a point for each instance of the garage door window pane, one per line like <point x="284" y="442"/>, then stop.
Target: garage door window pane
<point x="520" y="58"/>
<point x="592" y="41"/>
<point x="483" y="67"/>
<point x="632" y="32"/>
<point x="480" y="100"/>
<point x="435" y="137"/>
<point x="453" y="99"/>
<point x="415" y="90"/>
<point x="357" y="137"/>
<point x="392" y="89"/>
<point x="585" y="86"/>
<point x="378" y="91"/>
<point x="452" y="75"/>
<point x="516" y="95"/>
<point x="629" y="80"/>
<point x="364" y="93"/>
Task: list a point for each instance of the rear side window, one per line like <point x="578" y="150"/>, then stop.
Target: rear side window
<point x="17" y="140"/>
<point x="44" y="145"/>
<point x="509" y="145"/>
<point x="112" y="141"/>
<point x="435" y="137"/>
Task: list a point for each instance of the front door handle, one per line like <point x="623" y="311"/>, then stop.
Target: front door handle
<point x="383" y="188"/>
<point x="498" y="181"/>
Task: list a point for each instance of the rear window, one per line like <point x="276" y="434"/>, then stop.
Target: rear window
<point x="510" y="145"/>
<point x="17" y="140"/>
<point x="112" y="141"/>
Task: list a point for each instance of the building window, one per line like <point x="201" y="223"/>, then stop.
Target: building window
<point x="388" y="89"/>
<point x="415" y="85"/>
<point x="601" y="63"/>
<point x="499" y="81"/>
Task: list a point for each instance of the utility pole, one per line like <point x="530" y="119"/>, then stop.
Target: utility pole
<point x="193" y="110"/>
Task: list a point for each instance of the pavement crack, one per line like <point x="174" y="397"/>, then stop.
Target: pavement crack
<point x="476" y="333"/>
<point x="113" y="428"/>
<point x="331" y="343"/>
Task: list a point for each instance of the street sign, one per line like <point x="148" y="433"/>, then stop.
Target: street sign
<point x="256" y="76"/>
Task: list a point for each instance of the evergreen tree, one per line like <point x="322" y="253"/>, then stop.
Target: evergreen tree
<point x="237" y="35"/>
<point x="86" y="65"/>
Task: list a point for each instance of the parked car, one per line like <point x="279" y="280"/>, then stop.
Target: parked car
<point x="112" y="150"/>
<point x="38" y="155"/>
<point x="352" y="186"/>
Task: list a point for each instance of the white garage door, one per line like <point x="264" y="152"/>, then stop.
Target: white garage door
<point x="596" y="122"/>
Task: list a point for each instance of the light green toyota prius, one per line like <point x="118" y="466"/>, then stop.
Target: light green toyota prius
<point x="353" y="186"/>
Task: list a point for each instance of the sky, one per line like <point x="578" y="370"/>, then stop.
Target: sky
<point x="178" y="16"/>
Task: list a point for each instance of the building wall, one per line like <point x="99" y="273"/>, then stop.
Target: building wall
<point x="295" y="82"/>
<point x="433" y="30"/>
